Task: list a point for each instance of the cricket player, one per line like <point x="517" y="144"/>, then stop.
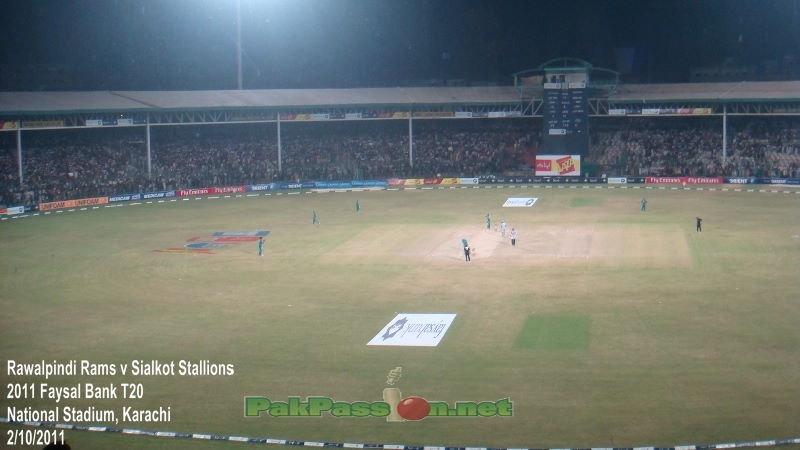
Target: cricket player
<point x="698" y="226"/>
<point x="514" y="237"/>
<point x="488" y="221"/>
<point x="503" y="228"/>
<point x="261" y="246"/>
<point x="644" y="204"/>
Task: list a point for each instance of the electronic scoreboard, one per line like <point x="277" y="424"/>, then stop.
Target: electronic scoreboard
<point x="566" y="124"/>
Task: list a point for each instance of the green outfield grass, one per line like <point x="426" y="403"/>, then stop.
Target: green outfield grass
<point x="606" y="326"/>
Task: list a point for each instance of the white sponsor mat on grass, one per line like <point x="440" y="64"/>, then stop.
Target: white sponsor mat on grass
<point x="414" y="330"/>
<point x="520" y="202"/>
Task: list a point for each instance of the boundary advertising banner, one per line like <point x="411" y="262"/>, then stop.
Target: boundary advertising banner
<point x="742" y="180"/>
<point x="73" y="203"/>
<point x="558" y="165"/>
<point x="681" y="180"/>
<point x="12" y="210"/>
<point x="261" y="187"/>
<point x="429" y="181"/>
<point x="159" y="194"/>
<point x="333" y="184"/>
<point x="188" y="192"/>
<point x="369" y="183"/>
<point x="406" y="181"/>
<point x="211" y="190"/>
<point x="124" y="197"/>
<point x="792" y="181"/>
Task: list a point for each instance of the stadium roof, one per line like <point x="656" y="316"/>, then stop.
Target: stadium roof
<point x="716" y="92"/>
<point x="20" y="103"/>
<point x="61" y="102"/>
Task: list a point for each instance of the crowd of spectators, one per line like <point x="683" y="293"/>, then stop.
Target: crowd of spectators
<point x="673" y="146"/>
<point x="59" y="165"/>
<point x="765" y="147"/>
<point x="75" y="164"/>
<point x="656" y="147"/>
<point x="66" y="164"/>
<point x="452" y="149"/>
<point x="352" y="150"/>
<point x="203" y="156"/>
<point x="364" y="150"/>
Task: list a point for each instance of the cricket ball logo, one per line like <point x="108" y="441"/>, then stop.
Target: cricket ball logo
<point x="410" y="408"/>
<point x="417" y="408"/>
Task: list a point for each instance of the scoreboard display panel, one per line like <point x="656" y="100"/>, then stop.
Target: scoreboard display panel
<point x="566" y="113"/>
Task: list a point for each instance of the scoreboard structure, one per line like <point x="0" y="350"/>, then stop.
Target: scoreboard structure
<point x="565" y="111"/>
<point x="560" y="90"/>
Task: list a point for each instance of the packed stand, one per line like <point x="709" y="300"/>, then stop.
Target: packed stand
<point x="656" y="147"/>
<point x="60" y="165"/>
<point x="764" y="147"/>
<point x="208" y="155"/>
<point x="9" y="177"/>
<point x="445" y="148"/>
<point x="69" y="164"/>
<point x="675" y="146"/>
<point x="343" y="151"/>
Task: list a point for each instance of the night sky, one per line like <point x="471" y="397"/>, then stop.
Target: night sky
<point x="190" y="44"/>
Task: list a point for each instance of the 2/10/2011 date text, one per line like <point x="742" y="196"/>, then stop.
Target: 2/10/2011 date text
<point x="34" y="437"/>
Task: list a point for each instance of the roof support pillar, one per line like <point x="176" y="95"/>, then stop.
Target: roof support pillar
<point x="280" y="153"/>
<point x="147" y="143"/>
<point x="19" y="156"/>
<point x="724" y="134"/>
<point x="410" y="139"/>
